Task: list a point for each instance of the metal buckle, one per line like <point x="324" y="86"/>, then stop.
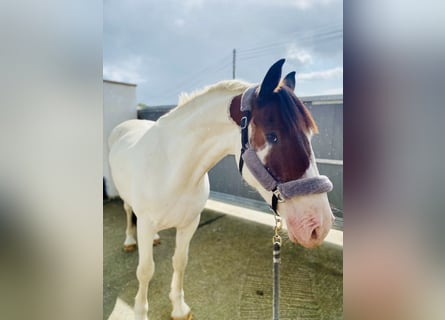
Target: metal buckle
<point x="243" y="122"/>
<point x="277" y="194"/>
<point x="278" y="225"/>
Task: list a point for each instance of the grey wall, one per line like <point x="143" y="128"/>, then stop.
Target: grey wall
<point x="328" y="145"/>
<point x="119" y="105"/>
<point x="153" y="113"/>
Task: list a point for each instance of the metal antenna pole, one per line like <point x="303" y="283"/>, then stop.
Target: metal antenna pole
<point x="233" y="63"/>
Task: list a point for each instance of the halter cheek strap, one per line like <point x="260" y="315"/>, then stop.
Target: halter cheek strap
<point x="281" y="191"/>
<point x="246" y="107"/>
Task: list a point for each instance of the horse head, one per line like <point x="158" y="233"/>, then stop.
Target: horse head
<point x="280" y="159"/>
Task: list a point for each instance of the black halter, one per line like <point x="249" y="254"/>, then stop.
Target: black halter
<point x="245" y="120"/>
<point x="246" y="102"/>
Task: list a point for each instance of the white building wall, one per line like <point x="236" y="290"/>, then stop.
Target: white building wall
<point x="119" y="105"/>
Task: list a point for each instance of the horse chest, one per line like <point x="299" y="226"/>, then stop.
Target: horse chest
<point x="173" y="205"/>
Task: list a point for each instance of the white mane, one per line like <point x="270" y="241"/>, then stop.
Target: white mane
<point x="232" y="85"/>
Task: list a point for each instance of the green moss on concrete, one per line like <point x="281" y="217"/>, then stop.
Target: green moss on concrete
<point x="229" y="275"/>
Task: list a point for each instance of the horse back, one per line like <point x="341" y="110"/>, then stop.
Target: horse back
<point x="132" y="126"/>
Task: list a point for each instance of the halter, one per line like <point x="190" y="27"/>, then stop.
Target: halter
<point x="281" y="191"/>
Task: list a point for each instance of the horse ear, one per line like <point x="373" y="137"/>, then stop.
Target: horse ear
<point x="271" y="80"/>
<point x="289" y="80"/>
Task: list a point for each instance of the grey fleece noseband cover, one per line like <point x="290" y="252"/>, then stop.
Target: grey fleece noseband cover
<point x="286" y="190"/>
<point x="300" y="187"/>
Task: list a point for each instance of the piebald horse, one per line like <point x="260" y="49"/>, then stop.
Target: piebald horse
<point x="160" y="168"/>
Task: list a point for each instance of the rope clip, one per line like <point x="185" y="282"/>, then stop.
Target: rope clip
<point x="278" y="225"/>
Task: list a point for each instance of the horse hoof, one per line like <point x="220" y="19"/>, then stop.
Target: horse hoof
<point x="130" y="247"/>
<point x="156" y="242"/>
<point x="187" y="317"/>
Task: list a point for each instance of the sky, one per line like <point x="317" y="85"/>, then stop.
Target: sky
<point x="178" y="46"/>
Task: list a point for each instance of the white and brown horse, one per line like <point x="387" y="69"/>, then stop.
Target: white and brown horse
<point x="160" y="168"/>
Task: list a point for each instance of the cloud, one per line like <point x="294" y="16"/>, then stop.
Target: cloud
<point x="322" y="75"/>
<point x="332" y="91"/>
<point x="299" y="4"/>
<point x="299" y="55"/>
<point x="178" y="39"/>
<point x="304" y="4"/>
<point x="192" y="4"/>
<point x="179" y="22"/>
<point x="126" y="70"/>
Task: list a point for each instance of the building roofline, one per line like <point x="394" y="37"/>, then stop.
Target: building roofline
<point x="324" y="97"/>
<point x="120" y="82"/>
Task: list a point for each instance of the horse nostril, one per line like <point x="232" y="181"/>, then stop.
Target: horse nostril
<point x="314" y="234"/>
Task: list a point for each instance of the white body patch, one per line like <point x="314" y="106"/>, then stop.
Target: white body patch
<point x="312" y="170"/>
<point x="167" y="185"/>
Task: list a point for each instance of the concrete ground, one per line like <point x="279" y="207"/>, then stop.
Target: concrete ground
<point x="229" y="275"/>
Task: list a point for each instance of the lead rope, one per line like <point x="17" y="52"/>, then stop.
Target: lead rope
<point x="276" y="267"/>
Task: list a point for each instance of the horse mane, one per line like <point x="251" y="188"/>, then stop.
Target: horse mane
<point x="231" y="85"/>
<point x="295" y="113"/>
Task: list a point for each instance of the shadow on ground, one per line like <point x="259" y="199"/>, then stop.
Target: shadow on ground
<point x="229" y="275"/>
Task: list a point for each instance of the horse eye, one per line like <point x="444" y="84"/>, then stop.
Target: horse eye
<point x="271" y="138"/>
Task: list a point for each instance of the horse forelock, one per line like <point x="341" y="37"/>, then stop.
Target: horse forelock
<point x="295" y="115"/>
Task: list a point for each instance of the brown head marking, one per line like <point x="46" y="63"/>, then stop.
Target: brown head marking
<point x="281" y="123"/>
<point x="235" y="109"/>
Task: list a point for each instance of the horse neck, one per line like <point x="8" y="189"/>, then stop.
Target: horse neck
<point x="203" y="134"/>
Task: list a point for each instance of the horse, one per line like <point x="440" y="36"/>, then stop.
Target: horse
<point x="160" y="168"/>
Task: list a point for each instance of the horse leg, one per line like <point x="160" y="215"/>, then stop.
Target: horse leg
<point x="130" y="243"/>
<point x="145" y="267"/>
<point x="156" y="240"/>
<point x="181" y="311"/>
<point x="130" y="231"/>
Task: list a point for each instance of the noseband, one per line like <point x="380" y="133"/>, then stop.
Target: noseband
<point x="281" y="191"/>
